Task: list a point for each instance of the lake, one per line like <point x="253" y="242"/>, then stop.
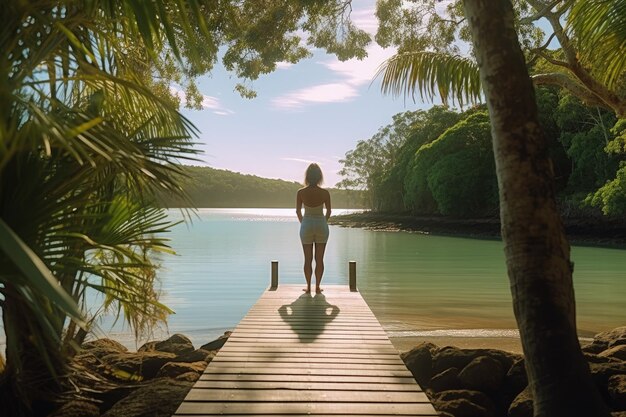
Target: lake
<point x="415" y="284"/>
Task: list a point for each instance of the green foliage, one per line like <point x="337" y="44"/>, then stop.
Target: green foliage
<point x="584" y="136"/>
<point x="600" y="28"/>
<point x="209" y="187"/>
<point x="464" y="150"/>
<point x="611" y="197"/>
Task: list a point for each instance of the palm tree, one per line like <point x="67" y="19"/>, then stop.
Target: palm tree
<point x="537" y="251"/>
<point x="84" y="147"/>
<point x="591" y="68"/>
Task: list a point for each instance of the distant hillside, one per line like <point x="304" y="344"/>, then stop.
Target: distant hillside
<point x="209" y="187"/>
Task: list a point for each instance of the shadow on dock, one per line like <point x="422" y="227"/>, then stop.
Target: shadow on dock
<point x="308" y="316"/>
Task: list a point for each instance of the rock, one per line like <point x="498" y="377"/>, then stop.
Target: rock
<point x="158" y="398"/>
<point x="188" y="376"/>
<point x="2" y="365"/>
<point x="178" y="344"/>
<point x="145" y="365"/>
<point x="196" y="355"/>
<point x="514" y="382"/>
<point x="217" y="343"/>
<point x="446" y="380"/>
<point x="617" y="392"/>
<point x="618" y="414"/>
<point x="102" y="347"/>
<point x="419" y="361"/>
<point x="601" y="372"/>
<point x="611" y="338"/>
<point x="482" y="374"/>
<point x="593" y="358"/>
<point x="77" y="409"/>
<point x="522" y="405"/>
<point x="617" y="352"/>
<point x="174" y="369"/>
<point x="448" y="357"/>
<point x="108" y="398"/>
<point x="464" y="403"/>
<point x="594" y="347"/>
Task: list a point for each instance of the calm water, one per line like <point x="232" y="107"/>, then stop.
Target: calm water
<point x="414" y="283"/>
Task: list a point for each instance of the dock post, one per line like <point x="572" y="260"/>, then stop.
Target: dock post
<point x="274" y="283"/>
<point x="352" y="274"/>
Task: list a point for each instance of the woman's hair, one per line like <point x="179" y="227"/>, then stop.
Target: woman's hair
<point x="313" y="175"/>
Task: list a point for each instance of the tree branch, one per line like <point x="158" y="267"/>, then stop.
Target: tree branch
<point x="571" y="85"/>
<point x="551" y="60"/>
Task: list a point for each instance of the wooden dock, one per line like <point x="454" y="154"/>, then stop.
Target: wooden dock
<point x="315" y="355"/>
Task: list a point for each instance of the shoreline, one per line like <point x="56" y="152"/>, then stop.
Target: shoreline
<point x="581" y="232"/>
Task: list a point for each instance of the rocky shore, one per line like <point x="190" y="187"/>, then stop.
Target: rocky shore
<point x="597" y="232"/>
<point x="493" y="383"/>
<point x="110" y="381"/>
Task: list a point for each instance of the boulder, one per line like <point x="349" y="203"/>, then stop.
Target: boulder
<point x="601" y="372"/>
<point x="594" y="347"/>
<point x="448" y="357"/>
<point x="196" y="355"/>
<point x="446" y="380"/>
<point x="140" y="365"/>
<point x="611" y="338"/>
<point x="419" y="361"/>
<point x="515" y="380"/>
<point x="616" y="352"/>
<point x="617" y="392"/>
<point x="464" y="403"/>
<point x="217" y="343"/>
<point x="109" y="397"/>
<point x="77" y="409"/>
<point x="597" y="358"/>
<point x="178" y="344"/>
<point x="102" y="347"/>
<point x="174" y="369"/>
<point x="522" y="405"/>
<point x="482" y="374"/>
<point x="618" y="414"/>
<point x="188" y="377"/>
<point x="157" y="398"/>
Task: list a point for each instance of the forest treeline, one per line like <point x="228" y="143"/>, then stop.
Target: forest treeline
<point x="440" y="161"/>
<point x="210" y="187"/>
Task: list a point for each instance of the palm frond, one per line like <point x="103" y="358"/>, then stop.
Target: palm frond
<point x="432" y="74"/>
<point x="599" y="27"/>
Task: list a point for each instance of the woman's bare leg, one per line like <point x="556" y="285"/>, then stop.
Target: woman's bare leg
<point x="319" y="265"/>
<point x="308" y="267"/>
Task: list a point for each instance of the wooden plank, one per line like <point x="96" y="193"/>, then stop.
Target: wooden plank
<point x="309" y="348"/>
<point x="310" y="365"/>
<point x="257" y="408"/>
<point x="328" y="386"/>
<point x="304" y="371"/>
<point x="290" y="395"/>
<point x="305" y="359"/>
<point x="308" y="378"/>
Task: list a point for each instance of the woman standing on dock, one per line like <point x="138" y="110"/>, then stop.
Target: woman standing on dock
<point x="313" y="224"/>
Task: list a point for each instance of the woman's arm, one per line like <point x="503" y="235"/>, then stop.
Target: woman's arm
<point x="327" y="202"/>
<point x="299" y="206"/>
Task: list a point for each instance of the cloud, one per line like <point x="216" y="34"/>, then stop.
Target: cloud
<point x="366" y="20"/>
<point x="304" y="161"/>
<point x="322" y="93"/>
<point x="348" y="76"/>
<point x="208" y="102"/>
<point x="284" y="65"/>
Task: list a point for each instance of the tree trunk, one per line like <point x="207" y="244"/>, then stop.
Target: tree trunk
<point x="28" y="384"/>
<point x="536" y="249"/>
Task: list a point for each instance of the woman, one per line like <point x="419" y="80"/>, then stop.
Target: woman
<point x="313" y="224"/>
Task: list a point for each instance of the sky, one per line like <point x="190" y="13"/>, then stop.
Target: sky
<point x="312" y="111"/>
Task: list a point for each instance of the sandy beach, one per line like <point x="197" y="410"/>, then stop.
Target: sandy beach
<point x="508" y="344"/>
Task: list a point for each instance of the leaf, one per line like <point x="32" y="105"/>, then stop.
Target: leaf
<point x="36" y="272"/>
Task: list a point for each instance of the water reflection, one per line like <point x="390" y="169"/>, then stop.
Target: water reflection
<point x="308" y="316"/>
